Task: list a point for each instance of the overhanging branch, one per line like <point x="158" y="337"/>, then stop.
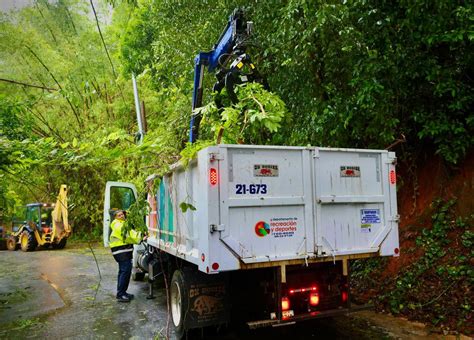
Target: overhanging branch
<point x="28" y="85"/>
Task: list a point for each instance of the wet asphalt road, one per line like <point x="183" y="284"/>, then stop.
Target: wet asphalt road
<point x="59" y="294"/>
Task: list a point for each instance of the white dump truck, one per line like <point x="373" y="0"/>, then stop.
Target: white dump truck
<point x="264" y="234"/>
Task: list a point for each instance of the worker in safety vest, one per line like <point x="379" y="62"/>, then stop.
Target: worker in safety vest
<point x="122" y="250"/>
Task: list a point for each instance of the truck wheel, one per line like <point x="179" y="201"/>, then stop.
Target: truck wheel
<point x="27" y="241"/>
<point x="12" y="243"/>
<point x="179" y="302"/>
<point x="60" y="245"/>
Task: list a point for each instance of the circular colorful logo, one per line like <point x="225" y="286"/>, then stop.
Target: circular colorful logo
<point x="262" y="229"/>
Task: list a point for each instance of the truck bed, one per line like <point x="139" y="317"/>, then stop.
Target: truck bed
<point x="252" y="206"/>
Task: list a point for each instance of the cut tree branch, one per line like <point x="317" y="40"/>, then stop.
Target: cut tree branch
<point x="57" y="83"/>
<point x="42" y="119"/>
<point x="28" y="85"/>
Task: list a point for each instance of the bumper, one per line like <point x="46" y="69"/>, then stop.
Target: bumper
<point x="308" y="316"/>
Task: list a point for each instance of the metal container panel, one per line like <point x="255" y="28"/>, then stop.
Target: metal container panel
<point x="266" y="202"/>
<point x="274" y="203"/>
<point x="354" y="209"/>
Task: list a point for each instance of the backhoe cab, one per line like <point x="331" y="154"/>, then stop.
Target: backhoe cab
<point x="46" y="225"/>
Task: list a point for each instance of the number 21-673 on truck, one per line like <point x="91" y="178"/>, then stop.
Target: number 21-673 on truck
<point x="267" y="233"/>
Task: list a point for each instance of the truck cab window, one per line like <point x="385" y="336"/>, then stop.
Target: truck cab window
<point x="120" y="199"/>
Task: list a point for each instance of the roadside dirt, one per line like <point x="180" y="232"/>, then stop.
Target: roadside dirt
<point x="59" y="294"/>
<point x="437" y="295"/>
<point x="401" y="328"/>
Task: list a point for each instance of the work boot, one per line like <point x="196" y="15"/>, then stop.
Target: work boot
<point x="130" y="296"/>
<point x="123" y="298"/>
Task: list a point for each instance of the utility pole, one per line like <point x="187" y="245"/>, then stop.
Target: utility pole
<point x="141" y="132"/>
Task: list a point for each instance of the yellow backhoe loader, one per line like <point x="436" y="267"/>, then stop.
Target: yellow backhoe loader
<point x="46" y="225"/>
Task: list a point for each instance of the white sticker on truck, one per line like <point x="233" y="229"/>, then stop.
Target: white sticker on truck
<point x="265" y="170"/>
<point x="368" y="217"/>
<point x="350" y="171"/>
<point x="278" y="227"/>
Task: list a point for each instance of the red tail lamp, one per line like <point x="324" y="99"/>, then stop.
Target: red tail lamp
<point x="393" y="177"/>
<point x="344" y="296"/>
<point x="213" y="176"/>
<point x="314" y="299"/>
<point x="285" y="303"/>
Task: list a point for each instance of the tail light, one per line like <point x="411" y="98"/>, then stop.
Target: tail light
<point x="285" y="303"/>
<point x="314" y="299"/>
<point x="213" y="176"/>
<point x="393" y="177"/>
<point x="344" y="296"/>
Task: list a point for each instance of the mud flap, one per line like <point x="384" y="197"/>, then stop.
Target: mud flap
<point x="208" y="299"/>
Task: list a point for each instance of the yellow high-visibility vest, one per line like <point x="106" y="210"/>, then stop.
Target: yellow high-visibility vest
<point x="116" y="239"/>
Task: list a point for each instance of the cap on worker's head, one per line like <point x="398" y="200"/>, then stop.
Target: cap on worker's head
<point x="120" y="211"/>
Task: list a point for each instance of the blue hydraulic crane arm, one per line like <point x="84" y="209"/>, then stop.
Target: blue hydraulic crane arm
<point x="225" y="45"/>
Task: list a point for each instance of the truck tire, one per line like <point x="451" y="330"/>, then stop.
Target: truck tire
<point x="12" y="243"/>
<point x="60" y="245"/>
<point x="27" y="241"/>
<point x="179" y="303"/>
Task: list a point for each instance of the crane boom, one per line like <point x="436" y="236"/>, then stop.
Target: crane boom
<point x="231" y="44"/>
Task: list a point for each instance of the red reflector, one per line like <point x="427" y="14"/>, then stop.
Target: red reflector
<point x="207" y="269"/>
<point x="314" y="299"/>
<point x="213" y="176"/>
<point x="203" y="257"/>
<point x="344" y="296"/>
<point x="396" y="251"/>
<point x="285" y="303"/>
<point x="393" y="177"/>
<point x="215" y="266"/>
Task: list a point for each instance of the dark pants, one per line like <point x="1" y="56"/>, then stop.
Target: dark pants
<point x="124" y="261"/>
<point x="125" y="271"/>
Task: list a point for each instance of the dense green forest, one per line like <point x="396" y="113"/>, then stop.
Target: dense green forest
<point x="365" y="74"/>
<point x="351" y="74"/>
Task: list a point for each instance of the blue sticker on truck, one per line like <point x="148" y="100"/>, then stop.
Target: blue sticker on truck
<point x="252" y="189"/>
<point x="369" y="216"/>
